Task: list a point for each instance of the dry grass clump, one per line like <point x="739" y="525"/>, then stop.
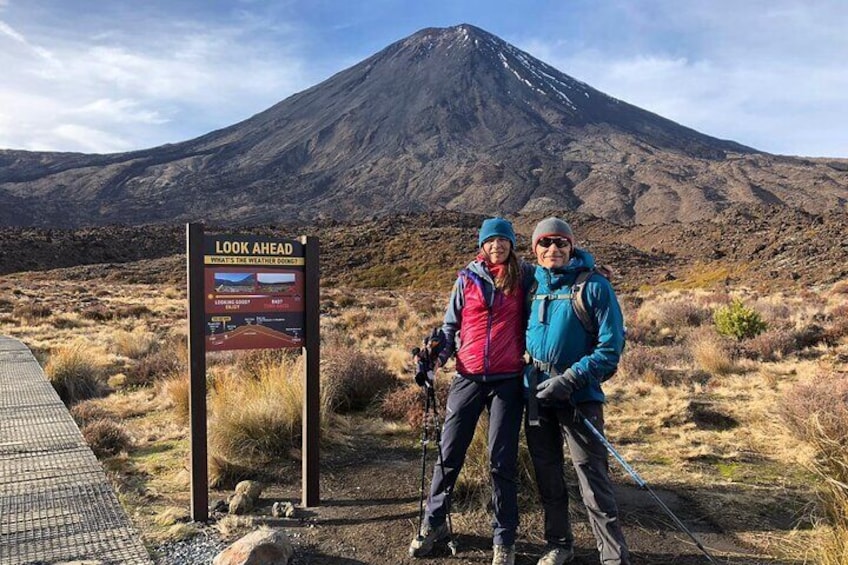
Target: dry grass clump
<point x="257" y="421"/>
<point x="106" y="437"/>
<point x="134" y="344"/>
<point x="711" y="353"/>
<point x="176" y="389"/>
<point x="839" y="287"/>
<point x="817" y="412"/>
<point x="31" y="312"/>
<point x="76" y="373"/>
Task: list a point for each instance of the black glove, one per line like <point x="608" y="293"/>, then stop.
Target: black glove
<point x="435" y="343"/>
<point x="558" y="388"/>
<point x="424" y="378"/>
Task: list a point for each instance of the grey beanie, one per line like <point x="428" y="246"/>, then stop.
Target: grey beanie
<point x="552" y="226"/>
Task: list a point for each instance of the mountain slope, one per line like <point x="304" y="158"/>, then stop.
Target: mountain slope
<point x="450" y="118"/>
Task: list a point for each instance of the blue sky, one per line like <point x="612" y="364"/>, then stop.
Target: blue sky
<point x="116" y="75"/>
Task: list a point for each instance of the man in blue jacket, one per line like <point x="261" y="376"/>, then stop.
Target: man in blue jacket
<point x="570" y="361"/>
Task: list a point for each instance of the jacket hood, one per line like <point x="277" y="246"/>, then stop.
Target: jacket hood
<point x="479" y="268"/>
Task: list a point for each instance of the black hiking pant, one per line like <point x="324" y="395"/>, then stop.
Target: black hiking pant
<point x="504" y="400"/>
<point x="589" y="457"/>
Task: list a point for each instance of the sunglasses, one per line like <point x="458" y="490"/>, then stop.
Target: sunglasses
<point x="560" y="242"/>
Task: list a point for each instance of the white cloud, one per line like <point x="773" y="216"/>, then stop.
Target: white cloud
<point x="127" y="91"/>
<point x="768" y="76"/>
<point x="89" y="140"/>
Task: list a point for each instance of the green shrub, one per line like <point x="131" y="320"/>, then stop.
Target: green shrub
<point x="738" y="321"/>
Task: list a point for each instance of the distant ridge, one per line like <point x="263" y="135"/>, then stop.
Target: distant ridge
<point x="445" y="119"/>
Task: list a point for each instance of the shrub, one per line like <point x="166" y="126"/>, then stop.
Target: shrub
<point x="738" y="321"/>
<point x="354" y="379"/>
<point x="824" y="400"/>
<point x="31" y="312"/>
<point x="640" y="362"/>
<point x="818" y="413"/>
<point x="407" y="404"/>
<point x="132" y="311"/>
<point x="88" y="411"/>
<point x="106" y="437"/>
<point x="97" y="313"/>
<point x="75" y="373"/>
<point x="674" y="314"/>
<point x="771" y="345"/>
<point x="152" y="367"/>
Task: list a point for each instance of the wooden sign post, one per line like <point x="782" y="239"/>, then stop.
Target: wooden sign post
<point x="252" y="292"/>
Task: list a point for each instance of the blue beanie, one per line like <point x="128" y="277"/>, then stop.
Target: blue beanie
<point x="496" y="227"/>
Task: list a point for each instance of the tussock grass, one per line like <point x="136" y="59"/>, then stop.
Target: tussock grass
<point x="135" y="344"/>
<point x="711" y="353"/>
<point x="817" y="412"/>
<point x="76" y="373"/>
<point x="258" y="420"/>
<point x="176" y="389"/>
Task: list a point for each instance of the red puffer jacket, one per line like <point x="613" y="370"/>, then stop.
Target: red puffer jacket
<point x="491" y="328"/>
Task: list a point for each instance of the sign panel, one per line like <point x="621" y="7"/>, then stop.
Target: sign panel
<point x="253" y="292"/>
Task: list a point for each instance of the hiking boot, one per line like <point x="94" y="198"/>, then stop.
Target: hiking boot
<point x="556" y="555"/>
<point x="430" y="535"/>
<point x="503" y="555"/>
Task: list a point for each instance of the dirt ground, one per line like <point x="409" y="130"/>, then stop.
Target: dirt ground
<point x="369" y="514"/>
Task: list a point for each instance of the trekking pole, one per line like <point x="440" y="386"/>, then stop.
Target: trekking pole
<point x="642" y="484"/>
<point x="431" y="406"/>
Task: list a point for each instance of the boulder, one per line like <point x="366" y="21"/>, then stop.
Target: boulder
<point x="251" y="489"/>
<point x="241" y="504"/>
<point x="262" y="547"/>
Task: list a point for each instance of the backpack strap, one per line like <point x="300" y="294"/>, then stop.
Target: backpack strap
<point x="576" y="296"/>
<point x="578" y="291"/>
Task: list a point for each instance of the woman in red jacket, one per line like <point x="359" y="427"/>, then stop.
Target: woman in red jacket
<point x="486" y="316"/>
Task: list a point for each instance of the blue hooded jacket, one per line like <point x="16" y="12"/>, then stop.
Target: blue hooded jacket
<point x="561" y="338"/>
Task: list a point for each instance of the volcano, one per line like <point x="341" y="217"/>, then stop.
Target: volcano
<point x="445" y="119"/>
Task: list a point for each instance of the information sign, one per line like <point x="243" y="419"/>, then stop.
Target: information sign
<point x="253" y="291"/>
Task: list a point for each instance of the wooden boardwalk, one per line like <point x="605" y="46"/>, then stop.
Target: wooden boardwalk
<point x="55" y="502"/>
